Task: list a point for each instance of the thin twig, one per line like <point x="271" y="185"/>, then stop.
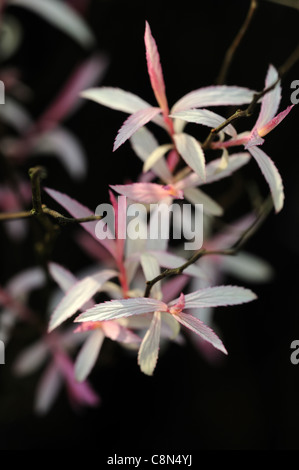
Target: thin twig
<point x="291" y="60"/>
<point x="233" y="250"/>
<point x="62" y="220"/>
<point x="236" y="42"/>
<point x="239" y="114"/>
<point x="282" y="71"/>
<point x="39" y="210"/>
<point x="15" y="215"/>
<point x="36" y="174"/>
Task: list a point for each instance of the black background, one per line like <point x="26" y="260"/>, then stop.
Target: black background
<point x="250" y="399"/>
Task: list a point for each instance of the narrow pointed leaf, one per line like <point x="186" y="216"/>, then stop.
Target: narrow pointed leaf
<point x="133" y="123"/>
<point x="155" y="69"/>
<point x="206" y="118"/>
<point x="78" y="295"/>
<point x="61" y="16"/>
<point x="114" y="309"/>
<point x="63" y="277"/>
<point x="63" y="144"/>
<point x="275" y="121"/>
<point x="118" y="332"/>
<point x="217" y="296"/>
<point x="88" y="354"/>
<point x="47" y="389"/>
<point x="31" y="358"/>
<point x="147" y="193"/>
<point x="151" y="269"/>
<point x="196" y="196"/>
<point x="198" y="327"/>
<point x="221" y="95"/>
<point x="247" y="267"/>
<point x="156" y="155"/>
<point x="271" y="100"/>
<point x="144" y="144"/>
<point x="213" y="174"/>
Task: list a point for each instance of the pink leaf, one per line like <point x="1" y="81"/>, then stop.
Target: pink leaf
<point x="117" y="332"/>
<point x="90" y="71"/>
<point x="173" y="287"/>
<point x="271" y="100"/>
<point x="133" y="123"/>
<point x="275" y="121"/>
<point x="93" y="249"/>
<point x="147" y="193"/>
<point x="155" y="69"/>
<point x="201" y="329"/>
<point x="80" y="393"/>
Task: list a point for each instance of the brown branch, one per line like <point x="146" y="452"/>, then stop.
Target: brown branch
<point x="282" y="71"/>
<point x="291" y="60"/>
<point x="239" y="114"/>
<point x="236" y="42"/>
<point x="15" y="215"/>
<point x="36" y="174"/>
<point x="233" y="250"/>
<point x="62" y="220"/>
<point x="39" y="210"/>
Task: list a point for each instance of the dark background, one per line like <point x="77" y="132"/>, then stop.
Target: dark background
<point x="250" y="399"/>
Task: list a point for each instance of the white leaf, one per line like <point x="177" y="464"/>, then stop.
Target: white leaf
<point x="247" y="267"/>
<point x="214" y="96"/>
<point x="217" y="296"/>
<point x="144" y="144"/>
<point x="31" y="358"/>
<point x="191" y="151"/>
<point x="47" y="389"/>
<point x="78" y="295"/>
<point x="66" y="147"/>
<point x="149" y="348"/>
<point x="151" y="269"/>
<point x="61" y="16"/>
<point x="206" y="118"/>
<point x="271" y="175"/>
<point x="114" y="309"/>
<point x="88" y="354"/>
<point x="156" y="155"/>
<point x="196" y="196"/>
<point x="63" y="277"/>
<point x="133" y="123"/>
